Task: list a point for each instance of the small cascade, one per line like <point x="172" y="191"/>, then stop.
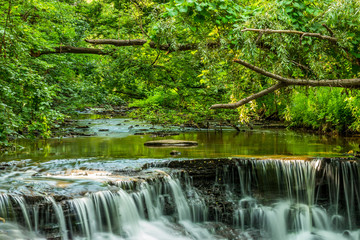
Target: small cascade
<point x="343" y="185"/>
<point x="59" y="216"/>
<point x="151" y="209"/>
<point x="156" y="205"/>
<point x="198" y="208"/>
<point x="19" y="201"/>
<point x="104" y="212"/>
<point x="182" y="206"/>
<point x="23" y="219"/>
<point x="294" y="180"/>
<point x="282" y="219"/>
<point x="284" y="198"/>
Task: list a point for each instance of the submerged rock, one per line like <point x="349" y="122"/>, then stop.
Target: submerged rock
<point x="170" y="142"/>
<point x="103" y="130"/>
<point x="174" y="152"/>
<point x="83" y="127"/>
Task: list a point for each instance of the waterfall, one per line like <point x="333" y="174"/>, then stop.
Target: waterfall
<point x="247" y="199"/>
<point x="18" y="223"/>
<point x="60" y="217"/>
<point x="308" y="197"/>
<point x="136" y="215"/>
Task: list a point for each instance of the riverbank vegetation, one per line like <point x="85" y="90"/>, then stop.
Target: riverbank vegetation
<point x="180" y="62"/>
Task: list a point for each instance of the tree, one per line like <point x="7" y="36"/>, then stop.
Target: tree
<point x="294" y="11"/>
<point x="177" y="58"/>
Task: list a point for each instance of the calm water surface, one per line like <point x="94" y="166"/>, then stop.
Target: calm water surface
<point x="120" y="142"/>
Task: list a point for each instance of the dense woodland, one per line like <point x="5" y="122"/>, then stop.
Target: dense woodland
<point x="180" y="62"/>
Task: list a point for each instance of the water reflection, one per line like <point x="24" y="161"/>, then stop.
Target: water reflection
<point x="227" y="143"/>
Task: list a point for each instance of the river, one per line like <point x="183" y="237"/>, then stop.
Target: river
<point x="254" y="184"/>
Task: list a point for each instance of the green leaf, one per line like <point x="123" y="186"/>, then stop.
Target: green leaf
<point x="193" y="29"/>
<point x="224" y="20"/>
<point x="172" y="12"/>
<point x="183" y="9"/>
<point x="223" y="6"/>
<point x="289" y="9"/>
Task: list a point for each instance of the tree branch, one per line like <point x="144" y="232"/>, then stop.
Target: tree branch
<point x="328" y="29"/>
<point x="140" y="20"/>
<point x="345" y="83"/>
<point x="140" y="42"/>
<point x="303" y="34"/>
<point x="69" y="49"/>
<point x="331" y="38"/>
<point x="117" y="43"/>
<point x="284" y="82"/>
<point x="250" y="98"/>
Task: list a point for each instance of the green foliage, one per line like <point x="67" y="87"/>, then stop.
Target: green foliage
<point x="36" y="92"/>
<point x="322" y="108"/>
<point x="353" y="104"/>
<point x="160" y="98"/>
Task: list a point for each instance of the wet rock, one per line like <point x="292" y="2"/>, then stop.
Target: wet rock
<point x="82" y="127"/>
<point x="170" y="142"/>
<point x="103" y="130"/>
<point x="174" y="152"/>
<point x="74" y="134"/>
<point x="69" y="120"/>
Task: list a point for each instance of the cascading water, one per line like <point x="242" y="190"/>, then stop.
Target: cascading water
<point x="308" y="199"/>
<point x="251" y="199"/>
<point x="137" y="215"/>
<point x="154" y="210"/>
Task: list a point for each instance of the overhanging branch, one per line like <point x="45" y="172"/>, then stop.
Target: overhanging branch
<point x="69" y="49"/>
<point x="283" y="82"/>
<point x="141" y="42"/>
<point x="345" y="83"/>
<point x="250" y="98"/>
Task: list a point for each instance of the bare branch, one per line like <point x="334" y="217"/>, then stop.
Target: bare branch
<point x="345" y="83"/>
<point x="140" y="42"/>
<point x="157" y="57"/>
<point x="317" y="35"/>
<point x="301" y="38"/>
<point x="259" y="37"/>
<point x="250" y="98"/>
<point x="301" y="65"/>
<point x="69" y="49"/>
<point x="328" y="29"/>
